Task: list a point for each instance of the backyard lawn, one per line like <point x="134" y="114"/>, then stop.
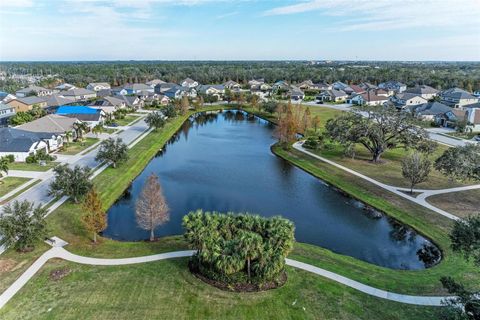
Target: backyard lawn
<point x="462" y="204"/>
<point x="73" y="148"/>
<point x="8" y="184"/>
<point x="32" y="166"/>
<point x="125" y="121"/>
<point x="167" y="290"/>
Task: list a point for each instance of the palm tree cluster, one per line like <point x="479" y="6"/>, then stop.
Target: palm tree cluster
<point x="239" y="248"/>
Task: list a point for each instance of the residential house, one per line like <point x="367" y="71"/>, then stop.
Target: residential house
<point x="52" y="129"/>
<point x="33" y="91"/>
<point x="97" y="86"/>
<point x="132" y="102"/>
<point x="356" y="89"/>
<point x="179" y="92"/>
<point x="433" y="111"/>
<point x="338" y="85"/>
<point x="256" y="82"/>
<point x="321" y="86"/>
<point x="394" y="86"/>
<point x="215" y="90"/>
<point x="65" y="86"/>
<point x="281" y="86"/>
<point x="306" y="85"/>
<point x="457" y="98"/>
<point x="108" y="104"/>
<point x="472" y="115"/>
<point x="332" y="96"/>
<point x="405" y="99"/>
<point x="27" y="103"/>
<point x="382" y="92"/>
<point x="161" y="88"/>
<point x="367" y="86"/>
<point x="232" y="85"/>
<point x="190" y="83"/>
<point x="20" y="143"/>
<point x="5" y="97"/>
<point x="118" y="91"/>
<point x="368" y="98"/>
<point x="91" y="116"/>
<point x="134" y="88"/>
<point x="6" y="112"/>
<point x="79" y="94"/>
<point x="296" y="94"/>
<point x="423" y="91"/>
<point x="56" y="100"/>
<point x="154" y="82"/>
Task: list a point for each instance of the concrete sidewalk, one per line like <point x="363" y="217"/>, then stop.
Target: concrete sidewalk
<point x="60" y="252"/>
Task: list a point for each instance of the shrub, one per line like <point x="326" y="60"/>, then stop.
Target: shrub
<point x="10" y="158"/>
<point x="238" y="248"/>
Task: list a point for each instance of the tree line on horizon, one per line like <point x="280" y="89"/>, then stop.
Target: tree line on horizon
<point x="440" y="75"/>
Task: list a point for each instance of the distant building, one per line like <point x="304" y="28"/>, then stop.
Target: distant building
<point x="405" y="99"/>
<point x="369" y="98"/>
<point x="79" y="94"/>
<point x="423" y="91"/>
<point x="395" y="86"/>
<point x="216" y="90"/>
<point x="190" y="83"/>
<point x="33" y="91"/>
<point x="232" y="85"/>
<point x="5" y="97"/>
<point x="65" y="86"/>
<point x="457" y="98"/>
<point x="154" y="82"/>
<point x="333" y="95"/>
<point x="134" y="88"/>
<point x="97" y="86"/>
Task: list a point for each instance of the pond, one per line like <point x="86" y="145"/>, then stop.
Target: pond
<point x="222" y="162"/>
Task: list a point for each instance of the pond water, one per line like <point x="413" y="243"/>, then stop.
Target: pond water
<point x="222" y="162"/>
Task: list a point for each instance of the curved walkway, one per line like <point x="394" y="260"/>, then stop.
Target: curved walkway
<point x="420" y="199"/>
<point x="60" y="252"/>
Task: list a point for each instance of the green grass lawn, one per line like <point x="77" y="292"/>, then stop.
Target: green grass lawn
<point x="463" y="135"/>
<point x="117" y="292"/>
<point x="167" y="290"/>
<point x="462" y="204"/>
<point x="32" y="166"/>
<point x="389" y="171"/>
<point x="73" y="148"/>
<point x="8" y="184"/>
<point x="125" y="121"/>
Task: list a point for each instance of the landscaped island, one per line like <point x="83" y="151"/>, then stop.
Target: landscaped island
<point x="239" y="252"/>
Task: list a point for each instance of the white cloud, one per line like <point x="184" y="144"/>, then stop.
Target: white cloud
<point x="377" y="15"/>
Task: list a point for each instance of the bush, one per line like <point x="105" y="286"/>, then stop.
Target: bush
<point x="10" y="158"/>
<point x="239" y="248"/>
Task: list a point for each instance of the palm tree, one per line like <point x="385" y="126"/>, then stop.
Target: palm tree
<point x="80" y="128"/>
<point x="250" y="245"/>
<point x="68" y="135"/>
<point x="97" y="129"/>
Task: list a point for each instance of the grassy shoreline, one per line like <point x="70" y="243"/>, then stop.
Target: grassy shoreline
<point x="65" y="223"/>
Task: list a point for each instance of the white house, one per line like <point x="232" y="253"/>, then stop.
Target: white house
<point x="190" y="83"/>
<point x="97" y="86"/>
<point x="423" y="91"/>
<point x="20" y="143"/>
<point x="6" y="112"/>
<point x="368" y="98"/>
<point x="405" y="99"/>
<point x="216" y="90"/>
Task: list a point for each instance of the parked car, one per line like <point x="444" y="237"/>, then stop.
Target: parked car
<point x="477" y="137"/>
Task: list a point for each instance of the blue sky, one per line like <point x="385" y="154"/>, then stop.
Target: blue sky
<point x="239" y="30"/>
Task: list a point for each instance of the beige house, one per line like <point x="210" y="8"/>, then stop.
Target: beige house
<point x="27" y="103"/>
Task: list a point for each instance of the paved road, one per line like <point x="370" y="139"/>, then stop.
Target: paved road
<point x="60" y="252"/>
<point x="39" y="193"/>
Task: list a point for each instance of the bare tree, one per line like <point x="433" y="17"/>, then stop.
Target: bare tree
<point x="416" y="169"/>
<point x="151" y="208"/>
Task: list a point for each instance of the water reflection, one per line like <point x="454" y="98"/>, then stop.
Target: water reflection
<point x="222" y="162"/>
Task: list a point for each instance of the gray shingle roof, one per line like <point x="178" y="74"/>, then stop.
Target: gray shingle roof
<point x="16" y="140"/>
<point x="52" y="124"/>
<point x="32" y="100"/>
<point x="457" y="93"/>
<point x="430" y="108"/>
<point x="423" y="89"/>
